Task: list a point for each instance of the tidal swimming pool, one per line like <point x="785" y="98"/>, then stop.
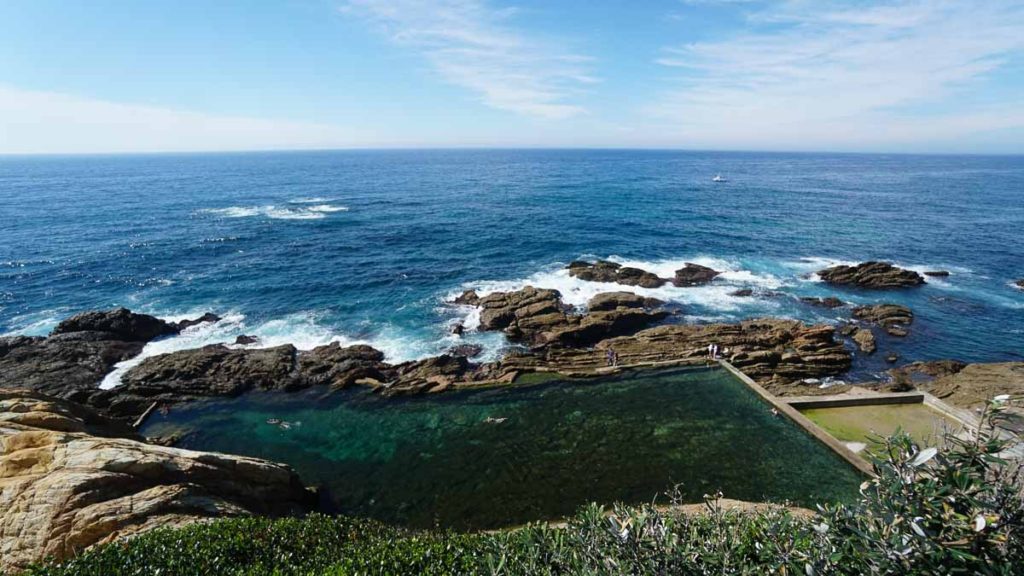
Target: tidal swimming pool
<point x="503" y="456"/>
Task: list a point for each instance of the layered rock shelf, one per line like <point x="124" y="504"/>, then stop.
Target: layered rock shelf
<point x="872" y="275"/>
<point x="71" y="478"/>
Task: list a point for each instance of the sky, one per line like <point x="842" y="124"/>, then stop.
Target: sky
<point x="790" y="75"/>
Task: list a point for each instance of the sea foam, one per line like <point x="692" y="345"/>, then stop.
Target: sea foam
<point x="315" y="212"/>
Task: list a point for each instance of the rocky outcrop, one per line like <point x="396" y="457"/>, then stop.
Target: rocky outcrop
<point x="1019" y="283"/>
<point x="612" y="300"/>
<point x="742" y="293"/>
<point x="206" y="318"/>
<point x="119" y="324"/>
<point x="539" y="317"/>
<point x="339" y="367"/>
<point x="694" y="275"/>
<point x="937" y="273"/>
<point x="893" y="318"/>
<point x="873" y="275"/>
<point x="466" y="350"/>
<point x="80" y="351"/>
<point x="865" y="340"/>
<point x="70" y="478"/>
<point x="827" y="302"/>
<point x="775" y="352"/>
<point x="974" y="385"/>
<point x="604" y="271"/>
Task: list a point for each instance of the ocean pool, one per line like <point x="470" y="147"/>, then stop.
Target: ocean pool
<point x="503" y="456"/>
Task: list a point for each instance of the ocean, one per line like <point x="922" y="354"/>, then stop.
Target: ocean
<point x="366" y="246"/>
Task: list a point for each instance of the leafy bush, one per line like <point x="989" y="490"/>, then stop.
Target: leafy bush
<point x="958" y="511"/>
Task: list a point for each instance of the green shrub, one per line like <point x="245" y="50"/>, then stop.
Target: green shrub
<point x="958" y="511"/>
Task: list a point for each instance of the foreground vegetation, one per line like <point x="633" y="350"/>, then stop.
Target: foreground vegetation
<point x="955" y="511"/>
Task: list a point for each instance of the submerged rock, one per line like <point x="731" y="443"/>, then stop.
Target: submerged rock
<point x="874" y="275"/>
<point x="937" y="273"/>
<point x="865" y="340"/>
<point x="604" y="271"/>
<point x="893" y="318"/>
<point x="694" y="275"/>
<point x="466" y="350"/>
<point x="246" y="339"/>
<point x="71" y="478"/>
<point x="613" y="300"/>
<point x="209" y="317"/>
<point x="1019" y="283"/>
<point x="827" y="302"/>
<point x="742" y="293"/>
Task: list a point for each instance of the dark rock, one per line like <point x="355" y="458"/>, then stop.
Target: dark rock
<point x="875" y="275"/>
<point x="245" y="340"/>
<point x="613" y="300"/>
<point x="186" y="375"/>
<point x="339" y="367"/>
<point x="458" y="329"/>
<point x="694" y="275"/>
<point x="847" y="329"/>
<point x="1019" y="283"/>
<point x="604" y="271"/>
<point x="466" y="350"/>
<point x="208" y="317"/>
<point x="120" y="323"/>
<point x="742" y="293"/>
<point x="467" y="298"/>
<point x="936" y="273"/>
<point x="827" y="302"/>
<point x="893" y="318"/>
<point x="597" y="326"/>
<point x="865" y="340"/>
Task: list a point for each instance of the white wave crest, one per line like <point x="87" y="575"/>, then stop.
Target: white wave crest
<point x="576" y="292"/>
<point x="315" y="212"/>
<point x="313" y="200"/>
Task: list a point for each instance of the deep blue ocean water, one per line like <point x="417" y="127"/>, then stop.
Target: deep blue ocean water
<point x="366" y="245"/>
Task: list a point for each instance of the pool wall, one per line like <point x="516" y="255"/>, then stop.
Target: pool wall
<point x="794" y="415"/>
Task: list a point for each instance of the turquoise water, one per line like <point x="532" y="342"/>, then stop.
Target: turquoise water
<point x="366" y="245"/>
<point x="503" y="456"/>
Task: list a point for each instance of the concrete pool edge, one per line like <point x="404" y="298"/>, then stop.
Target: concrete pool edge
<point x="799" y="419"/>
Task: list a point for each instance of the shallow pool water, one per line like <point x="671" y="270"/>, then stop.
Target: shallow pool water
<point x="866" y="425"/>
<point x="497" y="457"/>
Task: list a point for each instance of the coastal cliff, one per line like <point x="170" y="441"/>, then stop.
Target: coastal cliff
<point x="71" y="478"/>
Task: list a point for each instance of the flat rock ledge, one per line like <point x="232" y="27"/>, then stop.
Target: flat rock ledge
<point x="604" y="271"/>
<point x="871" y="275"/>
<point x="71" y="478"/>
<point x="893" y="318"/>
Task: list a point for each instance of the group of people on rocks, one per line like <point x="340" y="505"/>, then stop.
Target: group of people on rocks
<point x="714" y="352"/>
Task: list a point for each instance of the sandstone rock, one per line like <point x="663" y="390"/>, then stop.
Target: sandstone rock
<point x="865" y="340"/>
<point x="694" y="275"/>
<point x="875" y="275"/>
<point x="894" y="318"/>
<point x="604" y="271"/>
<point x="976" y="384"/>
<point x="538" y="316"/>
<point x="827" y="302"/>
<point x="613" y="300"/>
<point x="70" y="478"/>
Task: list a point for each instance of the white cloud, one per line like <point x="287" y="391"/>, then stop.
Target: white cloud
<point x="471" y="44"/>
<point x="47" y="122"/>
<point x="818" y="74"/>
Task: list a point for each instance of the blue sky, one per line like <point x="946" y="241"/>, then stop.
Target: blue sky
<point x="184" y="75"/>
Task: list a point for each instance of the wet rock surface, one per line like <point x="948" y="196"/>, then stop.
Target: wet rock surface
<point x="80" y="351"/>
<point x="604" y="271"/>
<point x="694" y="275"/>
<point x="865" y="340"/>
<point x="827" y="302"/>
<point x="893" y="318"/>
<point x="872" y="275"/>
<point x="71" y="478"/>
